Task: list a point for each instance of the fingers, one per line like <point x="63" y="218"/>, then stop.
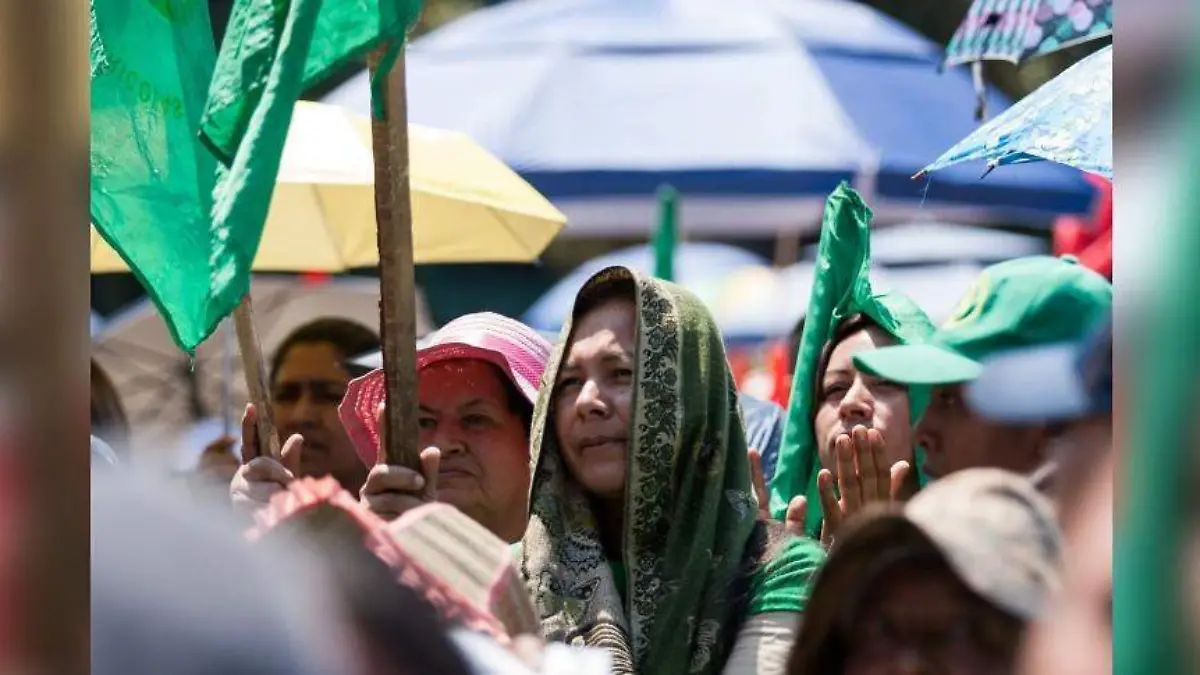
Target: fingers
<point x="830" y="507"/>
<point x="797" y="515"/>
<point x="847" y="480"/>
<point x="389" y="491"/>
<point x="249" y="434"/>
<point x="759" y="482"/>
<point x="431" y="461"/>
<point x="877" y="485"/>
<point x="291" y="453"/>
<point x="257" y="481"/>
<point x="899" y="473"/>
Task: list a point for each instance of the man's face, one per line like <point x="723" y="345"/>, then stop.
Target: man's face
<point x="306" y="393"/>
<point x="921" y="620"/>
<point x="955" y="438"/>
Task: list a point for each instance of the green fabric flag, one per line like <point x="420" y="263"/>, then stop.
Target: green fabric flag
<point x="1152" y="631"/>
<point x="842" y="287"/>
<point x="273" y="50"/>
<point x="667" y="234"/>
<point x="151" y="182"/>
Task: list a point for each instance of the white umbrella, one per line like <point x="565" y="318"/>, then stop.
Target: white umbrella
<point x="937" y="242"/>
<point x="164" y="393"/>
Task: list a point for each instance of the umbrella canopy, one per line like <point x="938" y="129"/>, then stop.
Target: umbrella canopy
<point x="701" y="267"/>
<point x="932" y="242"/>
<point x="467" y="205"/>
<point x="1015" y="30"/>
<point x="1067" y="120"/>
<point x="164" y="394"/>
<point x="754" y="111"/>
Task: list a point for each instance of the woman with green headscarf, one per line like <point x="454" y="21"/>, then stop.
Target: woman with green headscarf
<point x="845" y="426"/>
<point x="644" y="535"/>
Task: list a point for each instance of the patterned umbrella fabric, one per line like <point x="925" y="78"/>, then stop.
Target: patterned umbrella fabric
<point x="1015" y="30"/>
<point x="1067" y="120"/>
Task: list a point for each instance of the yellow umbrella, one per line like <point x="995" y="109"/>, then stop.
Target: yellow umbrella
<point x="468" y="206"/>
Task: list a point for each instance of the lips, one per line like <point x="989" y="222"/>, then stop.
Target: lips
<point x="454" y="472"/>
<point x="596" y="442"/>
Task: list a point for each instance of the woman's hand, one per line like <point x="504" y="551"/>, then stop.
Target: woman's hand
<point x="863" y="477"/>
<point x="260" y="477"/>
<point x="797" y="509"/>
<point x="391" y="490"/>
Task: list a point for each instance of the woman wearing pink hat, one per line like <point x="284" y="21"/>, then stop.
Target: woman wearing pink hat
<point x="478" y="379"/>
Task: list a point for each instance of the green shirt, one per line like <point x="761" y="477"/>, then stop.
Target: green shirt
<point x="784" y="583"/>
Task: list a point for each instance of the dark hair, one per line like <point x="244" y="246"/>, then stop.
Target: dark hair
<point x="517" y="403"/>
<point x="108" y="415"/>
<point x="612" y="284"/>
<point x="849" y="326"/>
<point x="350" y="339"/>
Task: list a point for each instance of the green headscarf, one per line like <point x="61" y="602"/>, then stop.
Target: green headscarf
<point x="689" y="507"/>
<point x="841" y="288"/>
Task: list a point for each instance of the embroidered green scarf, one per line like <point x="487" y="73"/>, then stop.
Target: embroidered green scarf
<point x="842" y="288"/>
<point x="689" y="507"/>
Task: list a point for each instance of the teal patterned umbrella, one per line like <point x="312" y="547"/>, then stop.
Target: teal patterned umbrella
<point x="1016" y="30"/>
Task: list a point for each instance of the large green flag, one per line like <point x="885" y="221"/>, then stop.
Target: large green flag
<point x="1154" y="622"/>
<point x="273" y="50"/>
<point x="151" y="182"/>
<point x="842" y="287"/>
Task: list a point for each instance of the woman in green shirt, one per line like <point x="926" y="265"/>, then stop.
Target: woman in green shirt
<point x="644" y="535"/>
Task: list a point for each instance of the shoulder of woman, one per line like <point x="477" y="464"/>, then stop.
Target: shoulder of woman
<point x="784" y="580"/>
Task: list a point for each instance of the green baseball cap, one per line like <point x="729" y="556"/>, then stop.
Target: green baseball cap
<point x="1017" y="304"/>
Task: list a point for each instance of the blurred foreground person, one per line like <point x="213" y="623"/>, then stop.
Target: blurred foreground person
<point x="478" y="380"/>
<point x="109" y="421"/>
<point x="309" y="375"/>
<point x="943" y="586"/>
<point x="165" y="575"/>
<point x="1023" y="303"/>
<point x="1074" y="637"/>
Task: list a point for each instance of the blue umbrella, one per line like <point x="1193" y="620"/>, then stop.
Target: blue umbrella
<point x="1067" y="120"/>
<point x="699" y="266"/>
<point x="753" y="110"/>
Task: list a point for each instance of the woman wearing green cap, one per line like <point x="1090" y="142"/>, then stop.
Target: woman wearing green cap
<point x="644" y="536"/>
<point x="844" y="425"/>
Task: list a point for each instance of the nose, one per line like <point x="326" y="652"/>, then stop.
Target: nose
<point x="591" y="401"/>
<point x="857" y="406"/>
<point x="305" y="412"/>
<point x="447" y="441"/>
<point x="924" y="434"/>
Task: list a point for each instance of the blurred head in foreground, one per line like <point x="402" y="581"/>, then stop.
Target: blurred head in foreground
<point x="175" y="590"/>
<point x="943" y="586"/>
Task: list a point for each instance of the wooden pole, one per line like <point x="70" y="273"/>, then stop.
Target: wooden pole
<point x="256" y="379"/>
<point x="397" y="288"/>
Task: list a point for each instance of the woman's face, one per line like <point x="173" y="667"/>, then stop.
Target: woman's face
<point x="465" y="412"/>
<point x="592" y="398"/>
<point x="848" y="398"/>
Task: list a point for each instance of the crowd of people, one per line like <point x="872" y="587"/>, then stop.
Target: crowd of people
<point x="928" y="503"/>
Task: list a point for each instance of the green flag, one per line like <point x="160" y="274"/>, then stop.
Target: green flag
<point x="1152" y="629"/>
<point x="273" y="50"/>
<point x="151" y="182"/>
<point x="841" y="288"/>
<point x="667" y="234"/>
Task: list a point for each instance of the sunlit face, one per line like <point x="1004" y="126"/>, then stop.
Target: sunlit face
<point x="307" y="390"/>
<point x="466" y="413"/>
<point x="849" y="398"/>
<point x="955" y="438"/>
<point x="921" y="620"/>
<point x="593" y="396"/>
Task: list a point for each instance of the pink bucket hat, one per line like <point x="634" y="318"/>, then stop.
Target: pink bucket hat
<point x="517" y="350"/>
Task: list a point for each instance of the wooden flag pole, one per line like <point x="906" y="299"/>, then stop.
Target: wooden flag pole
<point x="397" y="288"/>
<point x="256" y="378"/>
